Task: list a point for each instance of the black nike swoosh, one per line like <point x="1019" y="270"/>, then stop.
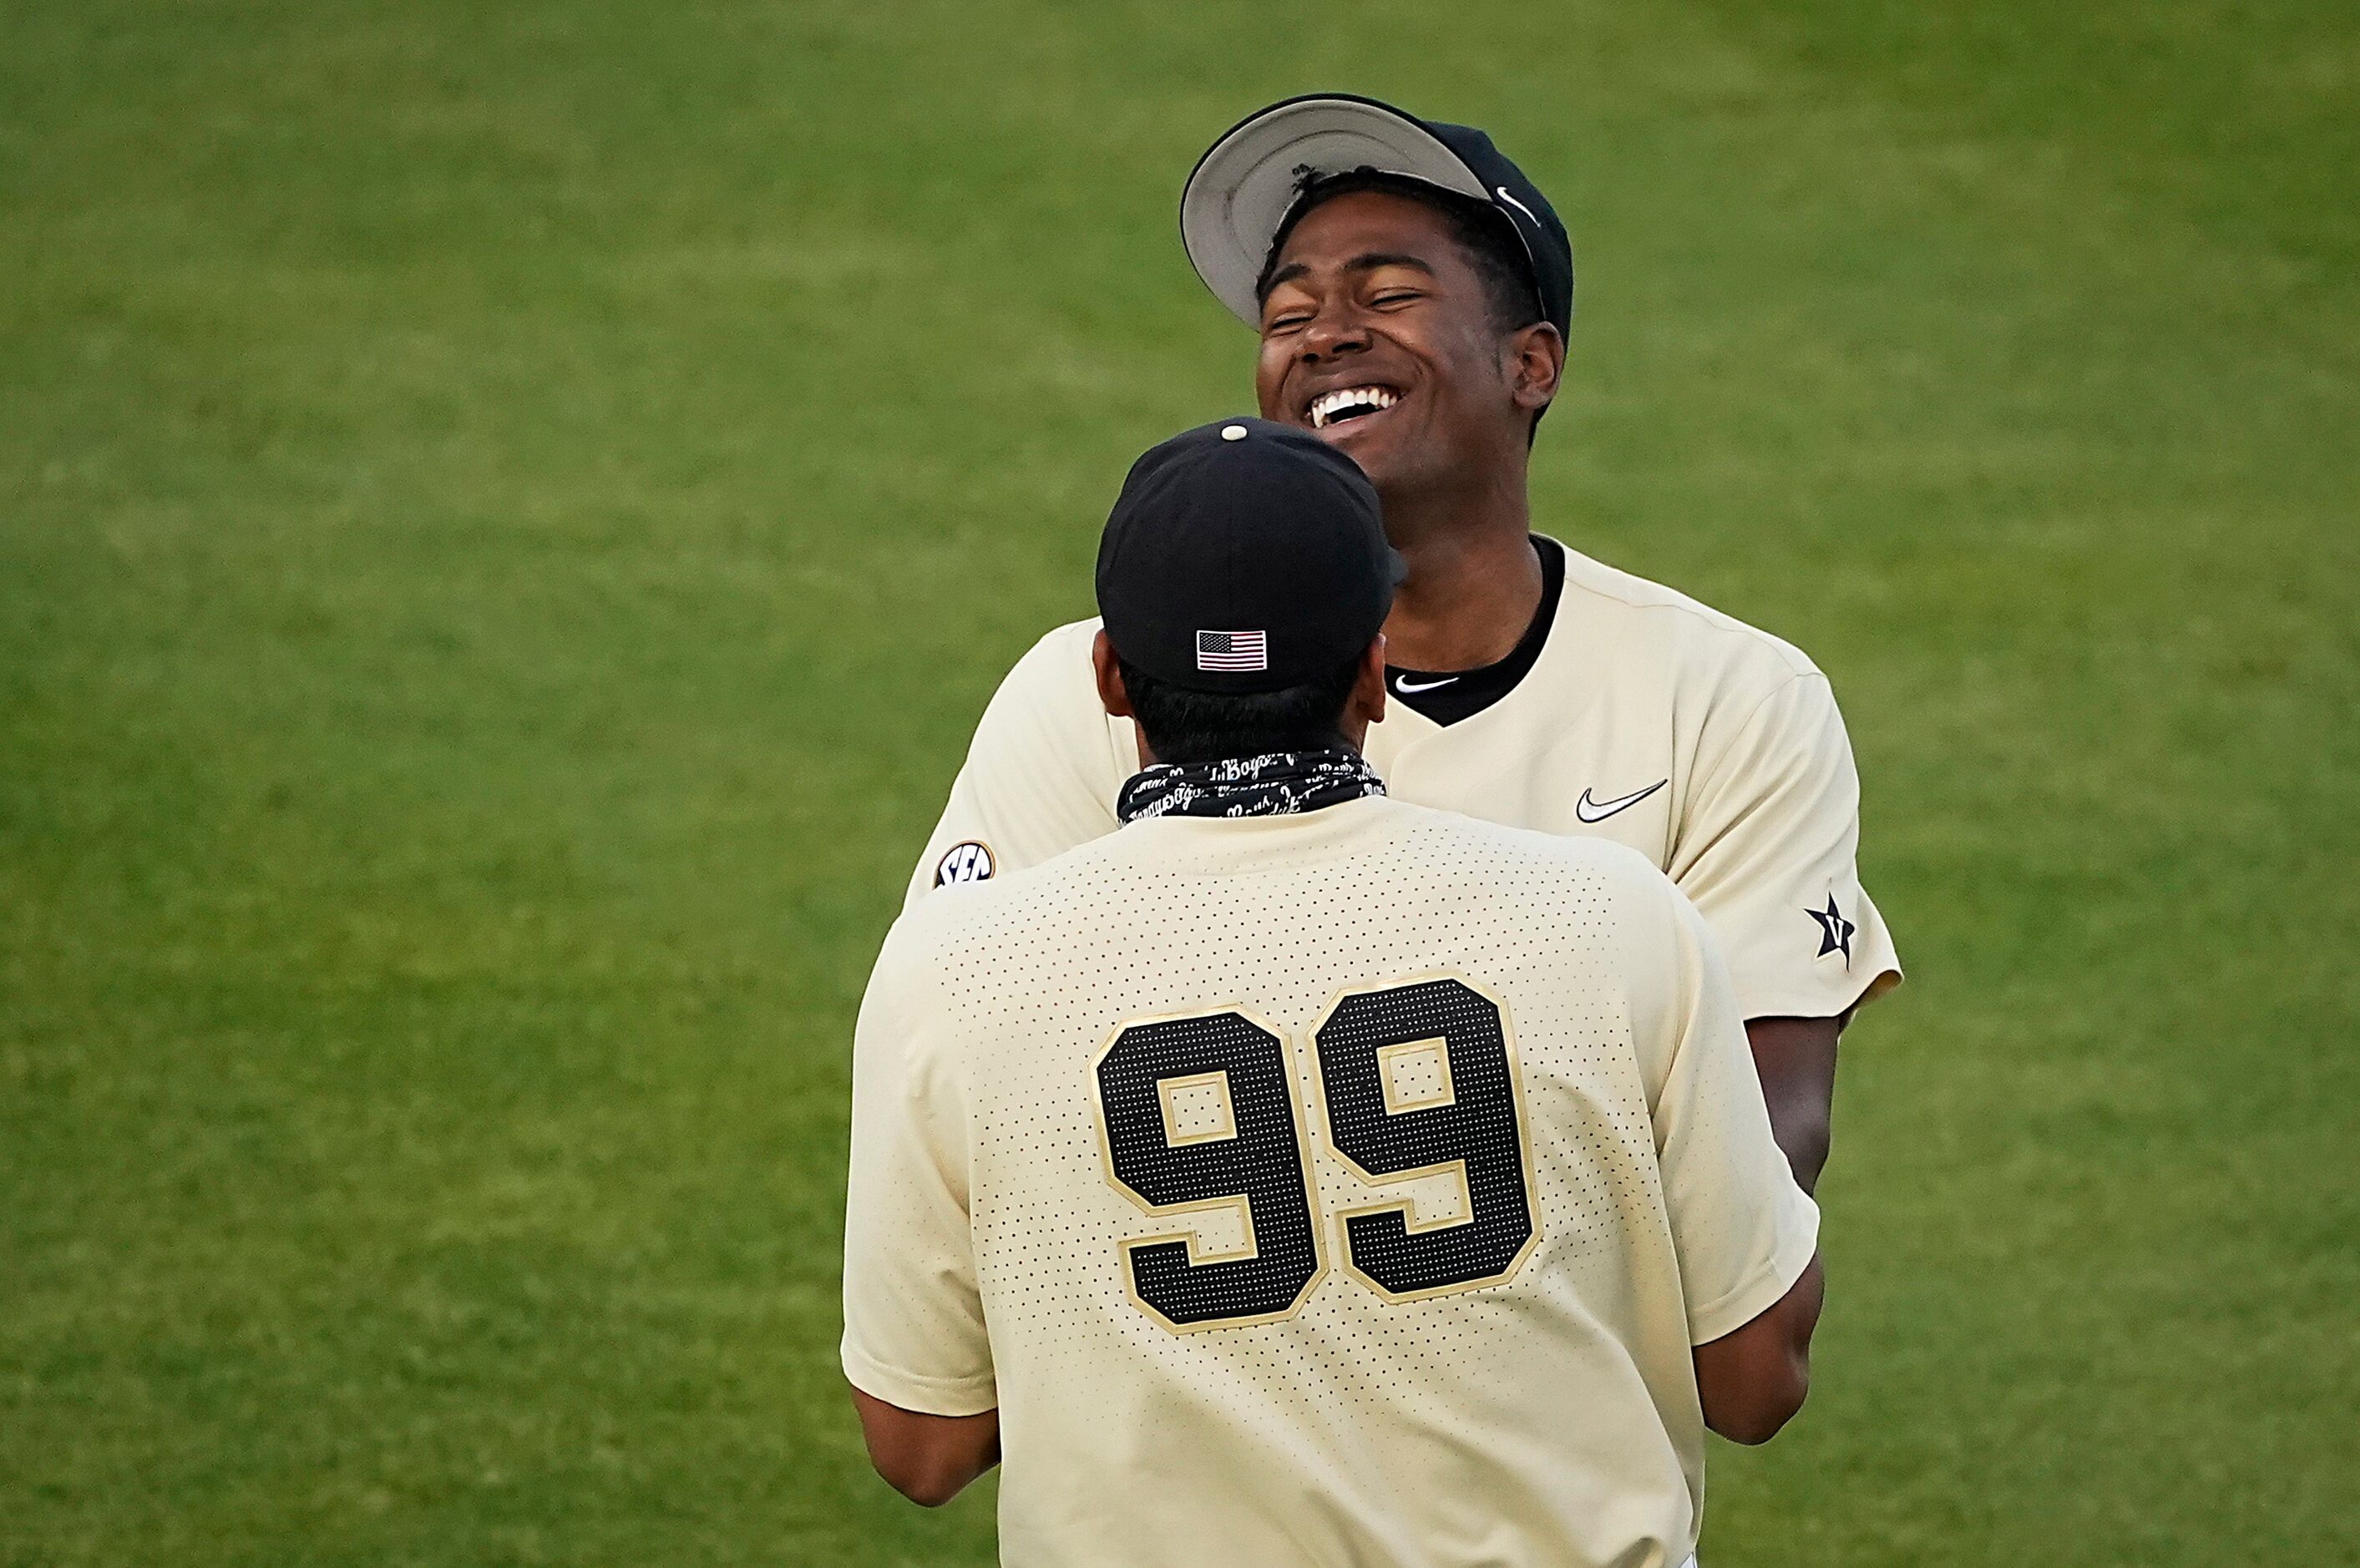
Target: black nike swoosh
<point x="1590" y="811"/>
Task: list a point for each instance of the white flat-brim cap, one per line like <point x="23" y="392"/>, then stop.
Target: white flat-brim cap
<point x="1246" y="183"/>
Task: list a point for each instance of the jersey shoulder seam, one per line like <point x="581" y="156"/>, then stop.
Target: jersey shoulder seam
<point x="1744" y="726"/>
<point x="1599" y="580"/>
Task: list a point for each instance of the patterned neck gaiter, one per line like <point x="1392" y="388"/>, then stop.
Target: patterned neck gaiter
<point x="1275" y="784"/>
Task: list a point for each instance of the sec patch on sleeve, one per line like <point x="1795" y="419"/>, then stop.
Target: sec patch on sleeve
<point x="968" y="862"/>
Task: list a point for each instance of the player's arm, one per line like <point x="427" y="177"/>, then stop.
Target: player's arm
<point x="1766" y="850"/>
<point x="928" y="1459"/>
<point x="1041" y="774"/>
<point x="916" y="1350"/>
<point x="1745" y="1233"/>
<point x="1751" y="1382"/>
<point x="1795" y="1059"/>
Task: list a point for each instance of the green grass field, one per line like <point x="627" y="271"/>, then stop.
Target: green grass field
<point x="508" y="514"/>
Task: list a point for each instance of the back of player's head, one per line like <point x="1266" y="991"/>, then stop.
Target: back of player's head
<point x="1182" y="725"/>
<point x="1242" y="577"/>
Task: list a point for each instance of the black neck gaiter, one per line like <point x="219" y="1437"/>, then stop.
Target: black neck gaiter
<point x="1271" y="785"/>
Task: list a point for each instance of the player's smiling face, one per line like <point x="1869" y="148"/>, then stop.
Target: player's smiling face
<point x="1378" y="334"/>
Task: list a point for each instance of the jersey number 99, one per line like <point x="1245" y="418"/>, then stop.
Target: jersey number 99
<point x="1418" y="1078"/>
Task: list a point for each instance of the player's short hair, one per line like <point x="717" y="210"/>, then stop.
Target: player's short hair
<point x="1490" y="243"/>
<point x="1182" y="725"/>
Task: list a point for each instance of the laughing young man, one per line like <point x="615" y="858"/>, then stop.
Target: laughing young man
<point x="1413" y="291"/>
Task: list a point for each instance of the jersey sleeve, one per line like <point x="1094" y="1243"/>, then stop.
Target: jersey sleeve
<point x="914" y="1326"/>
<point x="1041" y="775"/>
<point x="1744" y="1231"/>
<point x="1767" y="850"/>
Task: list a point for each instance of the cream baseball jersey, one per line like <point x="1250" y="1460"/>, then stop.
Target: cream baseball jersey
<point x="1714" y="749"/>
<point x="1342" y="1188"/>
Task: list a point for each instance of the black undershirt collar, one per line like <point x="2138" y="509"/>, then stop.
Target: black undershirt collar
<point x="1448" y="696"/>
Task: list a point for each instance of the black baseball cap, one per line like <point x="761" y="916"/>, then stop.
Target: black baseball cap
<point x="1247" y="184"/>
<point x="1244" y="556"/>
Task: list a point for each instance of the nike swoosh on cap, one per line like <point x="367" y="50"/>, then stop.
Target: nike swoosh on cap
<point x="1590" y="811"/>
<point x="1404" y="683"/>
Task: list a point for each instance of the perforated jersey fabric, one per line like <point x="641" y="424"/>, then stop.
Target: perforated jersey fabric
<point x="1714" y="749"/>
<point x="1501" y="1075"/>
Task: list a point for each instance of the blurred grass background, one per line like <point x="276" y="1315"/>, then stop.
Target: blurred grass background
<point x="508" y="514"/>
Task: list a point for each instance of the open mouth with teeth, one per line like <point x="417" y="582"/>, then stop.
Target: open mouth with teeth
<point x="1347" y="403"/>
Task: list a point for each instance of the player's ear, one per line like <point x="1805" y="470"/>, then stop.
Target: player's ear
<point x="1536" y="364"/>
<point x="1367" y="704"/>
<point x="1112" y="696"/>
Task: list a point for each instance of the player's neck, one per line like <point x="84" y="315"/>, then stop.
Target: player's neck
<point x="1474" y="583"/>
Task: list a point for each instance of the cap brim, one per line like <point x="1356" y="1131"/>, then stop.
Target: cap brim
<point x="1244" y="185"/>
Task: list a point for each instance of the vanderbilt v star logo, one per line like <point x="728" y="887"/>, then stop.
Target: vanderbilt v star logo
<point x="1590" y="811"/>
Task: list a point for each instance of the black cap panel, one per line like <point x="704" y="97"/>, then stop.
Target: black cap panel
<point x="1244" y="556"/>
<point x="1547" y="248"/>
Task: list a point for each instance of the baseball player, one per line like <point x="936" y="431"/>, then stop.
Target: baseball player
<point x="1413" y="291"/>
<point x="1296" y="1175"/>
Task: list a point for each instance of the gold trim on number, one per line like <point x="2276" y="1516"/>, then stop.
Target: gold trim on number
<point x="1239" y="1202"/>
<point x="1406" y="1207"/>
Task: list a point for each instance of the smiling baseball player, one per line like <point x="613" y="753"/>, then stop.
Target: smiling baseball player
<point x="1413" y="291"/>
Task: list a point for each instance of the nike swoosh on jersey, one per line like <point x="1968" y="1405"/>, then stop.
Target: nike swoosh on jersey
<point x="1590" y="811"/>
<point x="1404" y="683"/>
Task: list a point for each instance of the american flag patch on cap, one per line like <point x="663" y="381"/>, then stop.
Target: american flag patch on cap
<point x="1232" y="650"/>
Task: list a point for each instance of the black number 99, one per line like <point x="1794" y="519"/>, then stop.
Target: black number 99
<point x="1418" y="1078"/>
